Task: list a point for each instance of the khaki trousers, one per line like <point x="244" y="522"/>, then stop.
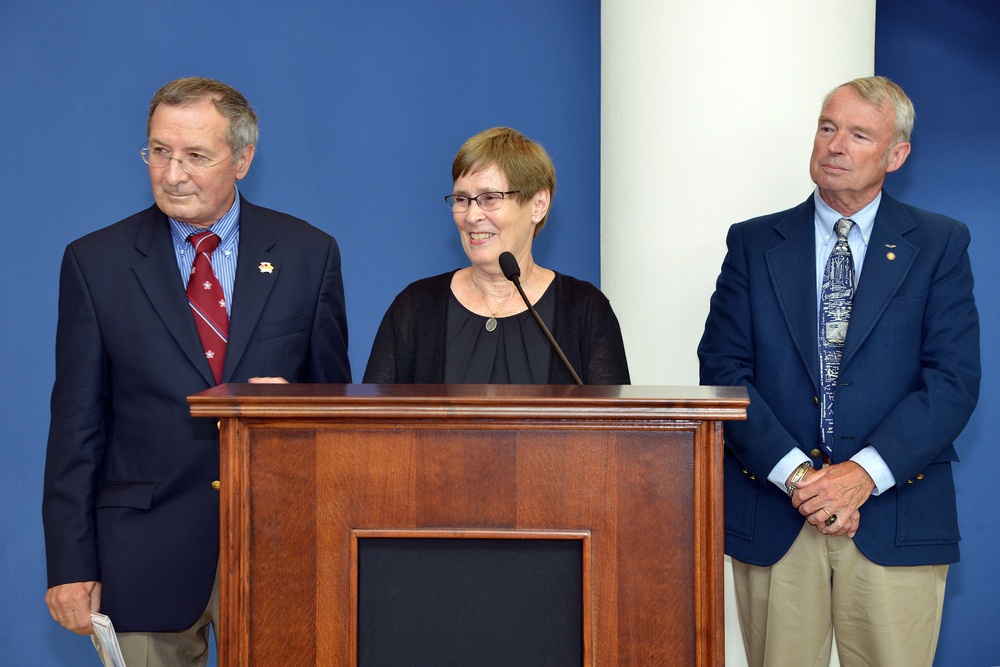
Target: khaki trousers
<point x="174" y="649"/>
<point x="883" y="616"/>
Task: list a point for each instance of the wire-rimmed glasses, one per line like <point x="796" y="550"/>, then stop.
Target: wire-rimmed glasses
<point x="194" y="164"/>
<point x="487" y="201"/>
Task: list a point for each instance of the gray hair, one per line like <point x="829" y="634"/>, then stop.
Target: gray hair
<point x="230" y="103"/>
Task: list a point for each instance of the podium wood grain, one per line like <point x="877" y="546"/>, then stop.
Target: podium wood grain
<point x="634" y="473"/>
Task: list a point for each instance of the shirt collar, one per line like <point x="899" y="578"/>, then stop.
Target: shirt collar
<point x="225" y="227"/>
<point x="864" y="219"/>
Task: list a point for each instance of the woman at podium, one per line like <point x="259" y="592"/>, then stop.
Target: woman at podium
<point x="471" y="326"/>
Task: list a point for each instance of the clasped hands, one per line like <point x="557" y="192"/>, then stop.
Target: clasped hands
<point x="839" y="489"/>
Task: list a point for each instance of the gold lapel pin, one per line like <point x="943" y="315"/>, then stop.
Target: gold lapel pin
<point x="890" y="255"/>
<point x="266" y="267"/>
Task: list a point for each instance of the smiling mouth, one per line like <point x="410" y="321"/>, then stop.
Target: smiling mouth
<point x="480" y="236"/>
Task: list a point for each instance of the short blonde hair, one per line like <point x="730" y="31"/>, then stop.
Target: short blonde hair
<point x="877" y="89"/>
<point x="525" y="164"/>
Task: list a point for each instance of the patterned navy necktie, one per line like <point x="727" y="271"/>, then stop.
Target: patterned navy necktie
<point x="834" y="314"/>
<point x="208" y="302"/>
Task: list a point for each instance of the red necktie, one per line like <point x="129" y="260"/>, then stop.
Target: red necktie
<point x="208" y="303"/>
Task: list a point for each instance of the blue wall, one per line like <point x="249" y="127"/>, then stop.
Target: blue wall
<point x="363" y="106"/>
<point x="945" y="55"/>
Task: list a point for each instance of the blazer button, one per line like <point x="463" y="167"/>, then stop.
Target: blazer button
<point x="815" y="453"/>
<point x="920" y="475"/>
<point x="216" y="485"/>
<point x="815" y="400"/>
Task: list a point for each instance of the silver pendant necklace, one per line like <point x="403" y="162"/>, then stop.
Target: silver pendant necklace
<point x="491" y="321"/>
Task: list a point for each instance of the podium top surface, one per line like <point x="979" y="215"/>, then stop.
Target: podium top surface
<point x="697" y="403"/>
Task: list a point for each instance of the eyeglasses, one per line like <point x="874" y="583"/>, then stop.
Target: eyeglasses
<point x="487" y="201"/>
<point x="194" y="164"/>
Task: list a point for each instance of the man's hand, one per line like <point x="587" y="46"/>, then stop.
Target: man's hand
<point x="71" y="604"/>
<point x="840" y="489"/>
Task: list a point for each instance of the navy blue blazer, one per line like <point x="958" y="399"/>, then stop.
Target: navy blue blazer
<point x="909" y="377"/>
<point x="128" y="497"/>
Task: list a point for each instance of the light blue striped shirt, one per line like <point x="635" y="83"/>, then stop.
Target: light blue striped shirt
<point x="224" y="257"/>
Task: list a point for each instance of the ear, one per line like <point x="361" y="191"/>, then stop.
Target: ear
<point x="897" y="156"/>
<point x="540" y="205"/>
<point x="243" y="164"/>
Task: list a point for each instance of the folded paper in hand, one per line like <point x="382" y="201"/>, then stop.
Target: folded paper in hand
<point x="105" y="641"/>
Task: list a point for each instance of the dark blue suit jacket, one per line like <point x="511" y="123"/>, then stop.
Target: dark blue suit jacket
<point x="128" y="496"/>
<point x="909" y="377"/>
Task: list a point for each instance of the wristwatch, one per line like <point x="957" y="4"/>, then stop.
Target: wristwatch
<point x="797" y="475"/>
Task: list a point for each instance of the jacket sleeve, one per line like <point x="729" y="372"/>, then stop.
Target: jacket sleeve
<point x="77" y="434"/>
<point x="587" y="330"/>
<point x="409" y="346"/>
<point x="727" y="356"/>
<point x="927" y="419"/>
<point x="383" y="361"/>
<point x="328" y="360"/>
<point x="606" y="361"/>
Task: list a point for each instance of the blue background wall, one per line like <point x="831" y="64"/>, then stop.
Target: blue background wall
<point x="363" y="106"/>
<point x="945" y="56"/>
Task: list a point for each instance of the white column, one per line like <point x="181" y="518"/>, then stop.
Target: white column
<point x="708" y="110"/>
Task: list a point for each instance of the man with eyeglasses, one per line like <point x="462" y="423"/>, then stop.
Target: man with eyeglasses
<point x="131" y="506"/>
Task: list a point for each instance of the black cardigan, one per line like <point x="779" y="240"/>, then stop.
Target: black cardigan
<point x="409" y="347"/>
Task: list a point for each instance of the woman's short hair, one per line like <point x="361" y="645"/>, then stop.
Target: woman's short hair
<point x="525" y="164"/>
<point x="230" y="102"/>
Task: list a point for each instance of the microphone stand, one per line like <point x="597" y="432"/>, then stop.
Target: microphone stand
<point x="512" y="272"/>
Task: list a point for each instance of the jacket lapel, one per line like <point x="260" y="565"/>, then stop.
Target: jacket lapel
<point x="161" y="281"/>
<point x="792" y="267"/>
<point x="881" y="276"/>
<point x="257" y="269"/>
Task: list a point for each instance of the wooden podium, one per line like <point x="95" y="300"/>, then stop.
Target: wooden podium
<point x="630" y="474"/>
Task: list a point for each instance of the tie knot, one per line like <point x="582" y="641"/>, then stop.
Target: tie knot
<point x="842" y="227"/>
<point x="204" y="242"/>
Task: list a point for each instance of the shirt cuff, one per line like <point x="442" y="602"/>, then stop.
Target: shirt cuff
<point x="873" y="463"/>
<point x="788" y="463"/>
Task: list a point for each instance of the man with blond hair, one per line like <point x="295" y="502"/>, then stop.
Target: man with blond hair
<point x="850" y="320"/>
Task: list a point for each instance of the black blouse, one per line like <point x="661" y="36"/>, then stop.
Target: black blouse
<point x="516" y="352"/>
<point x="412" y="342"/>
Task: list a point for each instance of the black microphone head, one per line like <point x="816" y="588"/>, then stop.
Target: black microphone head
<point x="508" y="264"/>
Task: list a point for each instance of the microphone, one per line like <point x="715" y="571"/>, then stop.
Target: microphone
<point x="512" y="272"/>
